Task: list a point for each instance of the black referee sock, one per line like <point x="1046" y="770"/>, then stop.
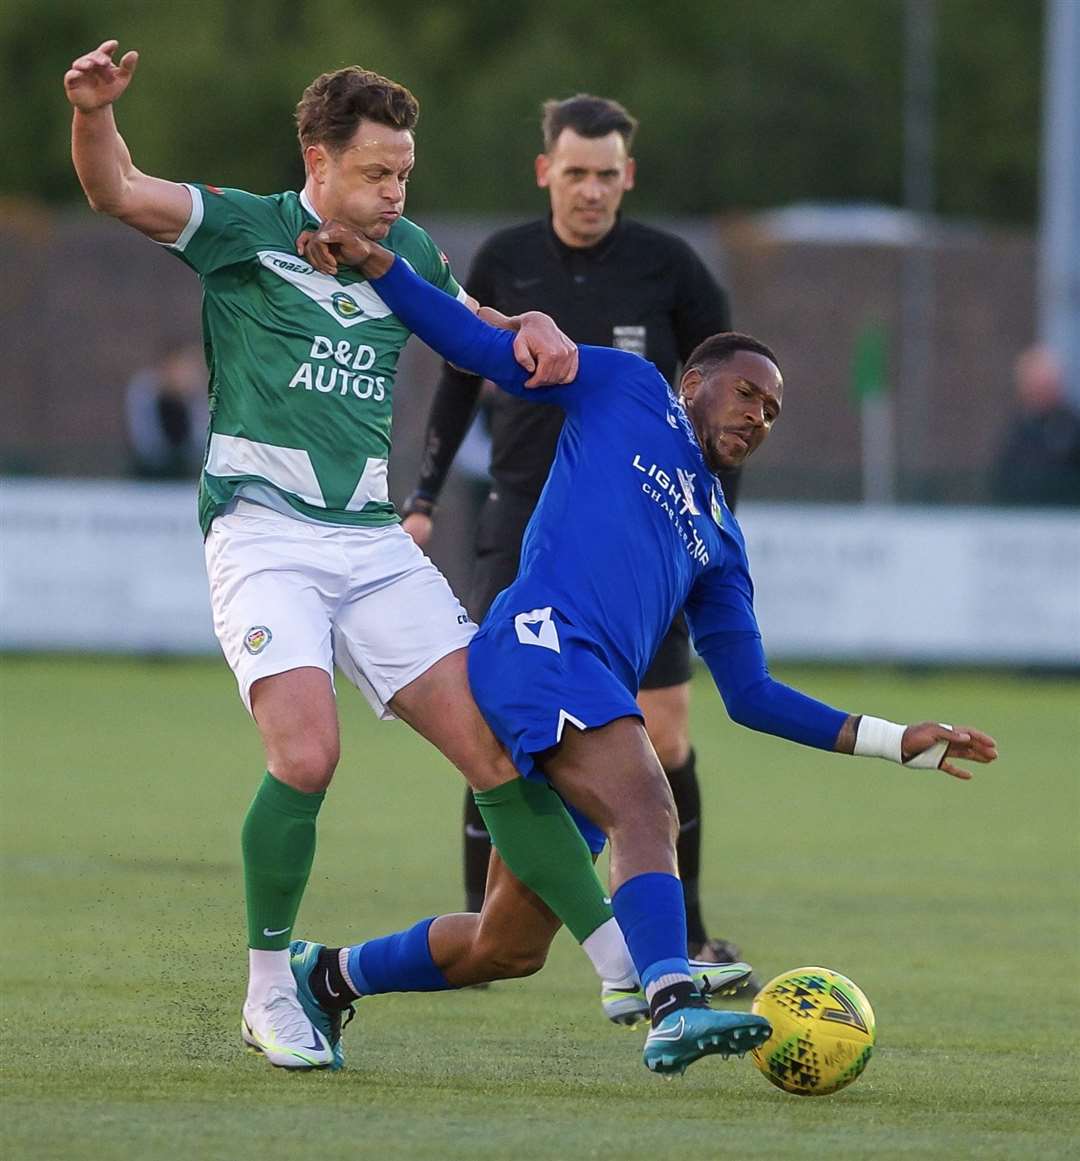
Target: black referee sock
<point x="327" y="982"/>
<point x="685" y="791"/>
<point x="477" y="854"/>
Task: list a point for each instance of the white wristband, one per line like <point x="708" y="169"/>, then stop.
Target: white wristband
<point x="877" y="738"/>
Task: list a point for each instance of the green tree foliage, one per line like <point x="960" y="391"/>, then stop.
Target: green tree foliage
<point x="743" y="104"/>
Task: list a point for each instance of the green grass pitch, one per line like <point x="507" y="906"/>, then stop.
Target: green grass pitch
<point x="953" y="905"/>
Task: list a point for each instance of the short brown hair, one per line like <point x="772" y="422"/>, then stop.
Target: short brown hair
<point x="335" y="103"/>
<point x="588" y="116"/>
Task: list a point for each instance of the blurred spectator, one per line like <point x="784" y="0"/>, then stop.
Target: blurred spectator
<point x="1039" y="460"/>
<point x="167" y="413"/>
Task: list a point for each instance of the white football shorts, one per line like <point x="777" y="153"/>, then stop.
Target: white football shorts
<point x="288" y="593"/>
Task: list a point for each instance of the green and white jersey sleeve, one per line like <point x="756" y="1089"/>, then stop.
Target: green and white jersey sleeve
<point x="302" y="364"/>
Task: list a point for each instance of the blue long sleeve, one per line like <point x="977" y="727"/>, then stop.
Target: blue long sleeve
<point x="755" y="700"/>
<point x="453" y="331"/>
<point x="450" y="329"/>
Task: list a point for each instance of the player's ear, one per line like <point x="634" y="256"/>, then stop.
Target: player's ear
<point x="690" y="382"/>
<point x="315" y="162"/>
<point x="543" y="169"/>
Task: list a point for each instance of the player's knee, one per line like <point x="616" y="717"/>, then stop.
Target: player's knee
<point x="648" y="816"/>
<point x="671" y="744"/>
<point x="489" y="766"/>
<point x="510" y="963"/>
<point x="307" y="764"/>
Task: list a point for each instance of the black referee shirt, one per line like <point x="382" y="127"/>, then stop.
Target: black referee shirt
<point x="639" y="289"/>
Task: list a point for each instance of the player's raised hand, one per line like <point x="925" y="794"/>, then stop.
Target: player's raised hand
<point x="963" y="742"/>
<point x="542" y="348"/>
<point x="94" y="81"/>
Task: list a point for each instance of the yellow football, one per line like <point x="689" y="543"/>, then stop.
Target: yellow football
<point x="822" y="1031"/>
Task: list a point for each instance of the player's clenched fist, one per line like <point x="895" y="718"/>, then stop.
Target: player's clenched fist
<point x="94" y="81"/>
<point x="335" y="243"/>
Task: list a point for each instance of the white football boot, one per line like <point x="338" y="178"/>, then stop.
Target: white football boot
<point x="278" y="1028"/>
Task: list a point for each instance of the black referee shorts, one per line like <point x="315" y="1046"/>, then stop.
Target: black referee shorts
<point x="498" y="554"/>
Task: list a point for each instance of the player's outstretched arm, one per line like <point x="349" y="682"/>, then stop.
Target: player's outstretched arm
<point x="753" y="698"/>
<point x="925" y="746"/>
<point x="160" y="209"/>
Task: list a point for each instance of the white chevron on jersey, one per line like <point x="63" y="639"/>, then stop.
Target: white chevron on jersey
<point x="348" y="305"/>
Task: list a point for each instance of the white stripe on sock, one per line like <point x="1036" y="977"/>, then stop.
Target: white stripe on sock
<point x="343" y="963"/>
<point x="665" y="982"/>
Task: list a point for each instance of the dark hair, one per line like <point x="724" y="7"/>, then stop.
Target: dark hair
<point x="719" y="348"/>
<point x="588" y="116"/>
<point x="335" y="103"/>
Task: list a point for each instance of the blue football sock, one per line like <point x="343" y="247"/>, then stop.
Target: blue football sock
<point x="652" y="914"/>
<point x="396" y="963"/>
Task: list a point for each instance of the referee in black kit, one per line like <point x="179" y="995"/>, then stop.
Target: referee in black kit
<point x="608" y="282"/>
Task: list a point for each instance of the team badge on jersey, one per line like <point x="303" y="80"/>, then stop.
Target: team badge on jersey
<point x="716" y="508"/>
<point x="257" y="638"/>
<point x="344" y="305"/>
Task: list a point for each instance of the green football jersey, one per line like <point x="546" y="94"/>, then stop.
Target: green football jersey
<point x="302" y="364"/>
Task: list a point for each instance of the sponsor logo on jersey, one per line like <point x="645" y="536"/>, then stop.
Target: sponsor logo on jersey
<point x="629" y="339"/>
<point x="676" y="499"/>
<point x="686" y="482"/>
<point x="336" y="367"/>
<point x="257" y="638"/>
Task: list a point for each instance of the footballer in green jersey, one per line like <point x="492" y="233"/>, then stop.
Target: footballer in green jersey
<point x="302" y="364"/>
<point x="308" y="565"/>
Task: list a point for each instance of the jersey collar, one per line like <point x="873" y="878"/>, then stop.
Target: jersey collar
<point x="305" y="201"/>
<point x="594" y="253"/>
<point x="683" y="421"/>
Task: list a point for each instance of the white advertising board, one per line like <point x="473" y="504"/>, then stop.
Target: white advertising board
<point x="116" y="566"/>
<point x="916" y="584"/>
<point x="102" y="565"/>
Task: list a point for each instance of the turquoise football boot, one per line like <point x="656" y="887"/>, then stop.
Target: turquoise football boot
<point x="689" y="1033"/>
<point x="628" y="1006"/>
<point x="302" y="957"/>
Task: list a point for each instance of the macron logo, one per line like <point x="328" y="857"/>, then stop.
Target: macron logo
<point x="537" y="628"/>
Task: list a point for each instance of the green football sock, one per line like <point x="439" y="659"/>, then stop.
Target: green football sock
<point x="278" y="842"/>
<point x="539" y="842"/>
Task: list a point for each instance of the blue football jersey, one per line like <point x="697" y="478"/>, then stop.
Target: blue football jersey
<point x="631" y="526"/>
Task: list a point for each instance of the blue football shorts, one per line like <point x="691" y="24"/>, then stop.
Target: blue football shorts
<point x="535" y="674"/>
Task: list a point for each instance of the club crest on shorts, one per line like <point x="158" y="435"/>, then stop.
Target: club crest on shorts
<point x="257" y="638"/>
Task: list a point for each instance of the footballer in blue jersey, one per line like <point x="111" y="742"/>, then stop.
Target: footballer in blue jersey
<point x="631" y="527"/>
